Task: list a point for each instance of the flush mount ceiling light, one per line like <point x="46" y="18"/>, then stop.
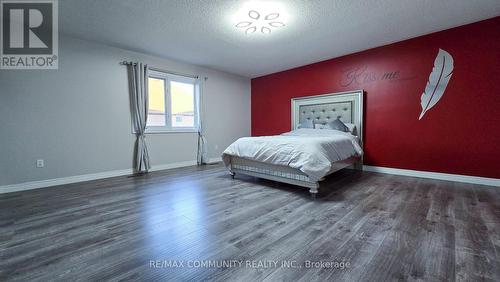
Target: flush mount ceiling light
<point x="256" y="21"/>
<point x="260" y="17"/>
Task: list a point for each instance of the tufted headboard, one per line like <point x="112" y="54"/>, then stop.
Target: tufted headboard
<point x="348" y="106"/>
<point x="324" y="113"/>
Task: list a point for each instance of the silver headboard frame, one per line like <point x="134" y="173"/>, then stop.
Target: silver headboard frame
<point x="347" y="106"/>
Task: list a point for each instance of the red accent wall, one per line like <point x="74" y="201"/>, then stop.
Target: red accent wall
<point x="460" y="135"/>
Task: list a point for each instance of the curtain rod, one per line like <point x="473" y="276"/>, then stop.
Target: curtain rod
<point x="125" y="63"/>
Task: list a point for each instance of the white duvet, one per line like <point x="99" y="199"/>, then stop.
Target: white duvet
<point x="311" y="151"/>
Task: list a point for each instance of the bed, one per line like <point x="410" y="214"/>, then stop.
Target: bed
<point x="305" y="156"/>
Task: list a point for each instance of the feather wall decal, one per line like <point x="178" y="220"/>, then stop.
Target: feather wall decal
<point x="438" y="80"/>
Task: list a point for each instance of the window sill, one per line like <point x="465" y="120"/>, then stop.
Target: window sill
<point x="168" y="131"/>
<point x="172" y="131"/>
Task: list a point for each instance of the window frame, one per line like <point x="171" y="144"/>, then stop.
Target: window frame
<point x="167" y="79"/>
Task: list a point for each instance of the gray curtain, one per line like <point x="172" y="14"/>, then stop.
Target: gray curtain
<point x="202" y="142"/>
<point x="138" y="79"/>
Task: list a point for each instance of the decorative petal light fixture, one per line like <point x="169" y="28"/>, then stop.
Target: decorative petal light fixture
<point x="264" y="24"/>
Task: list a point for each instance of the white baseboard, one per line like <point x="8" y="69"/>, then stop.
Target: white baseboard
<point x="86" y="177"/>
<point x="435" y="175"/>
<point x="173" y="165"/>
<point x="214" y="160"/>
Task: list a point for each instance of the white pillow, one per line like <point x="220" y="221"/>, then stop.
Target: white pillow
<point x="308" y="123"/>
<point x="350" y="126"/>
<point x="318" y="133"/>
<point x="320" y="126"/>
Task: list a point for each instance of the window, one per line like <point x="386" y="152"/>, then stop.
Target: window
<point x="173" y="103"/>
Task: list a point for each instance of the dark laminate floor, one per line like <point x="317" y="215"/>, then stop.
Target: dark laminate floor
<point x="386" y="227"/>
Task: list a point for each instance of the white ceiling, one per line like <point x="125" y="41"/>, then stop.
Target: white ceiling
<point x="202" y="32"/>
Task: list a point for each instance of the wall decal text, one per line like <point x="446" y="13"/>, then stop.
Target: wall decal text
<point x="361" y="75"/>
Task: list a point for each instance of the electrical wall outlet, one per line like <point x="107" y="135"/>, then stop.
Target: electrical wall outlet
<point x="40" y="163"/>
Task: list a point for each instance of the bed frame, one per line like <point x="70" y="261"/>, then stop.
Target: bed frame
<point x="348" y="106"/>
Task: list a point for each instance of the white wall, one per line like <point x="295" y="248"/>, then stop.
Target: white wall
<point x="77" y="118"/>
